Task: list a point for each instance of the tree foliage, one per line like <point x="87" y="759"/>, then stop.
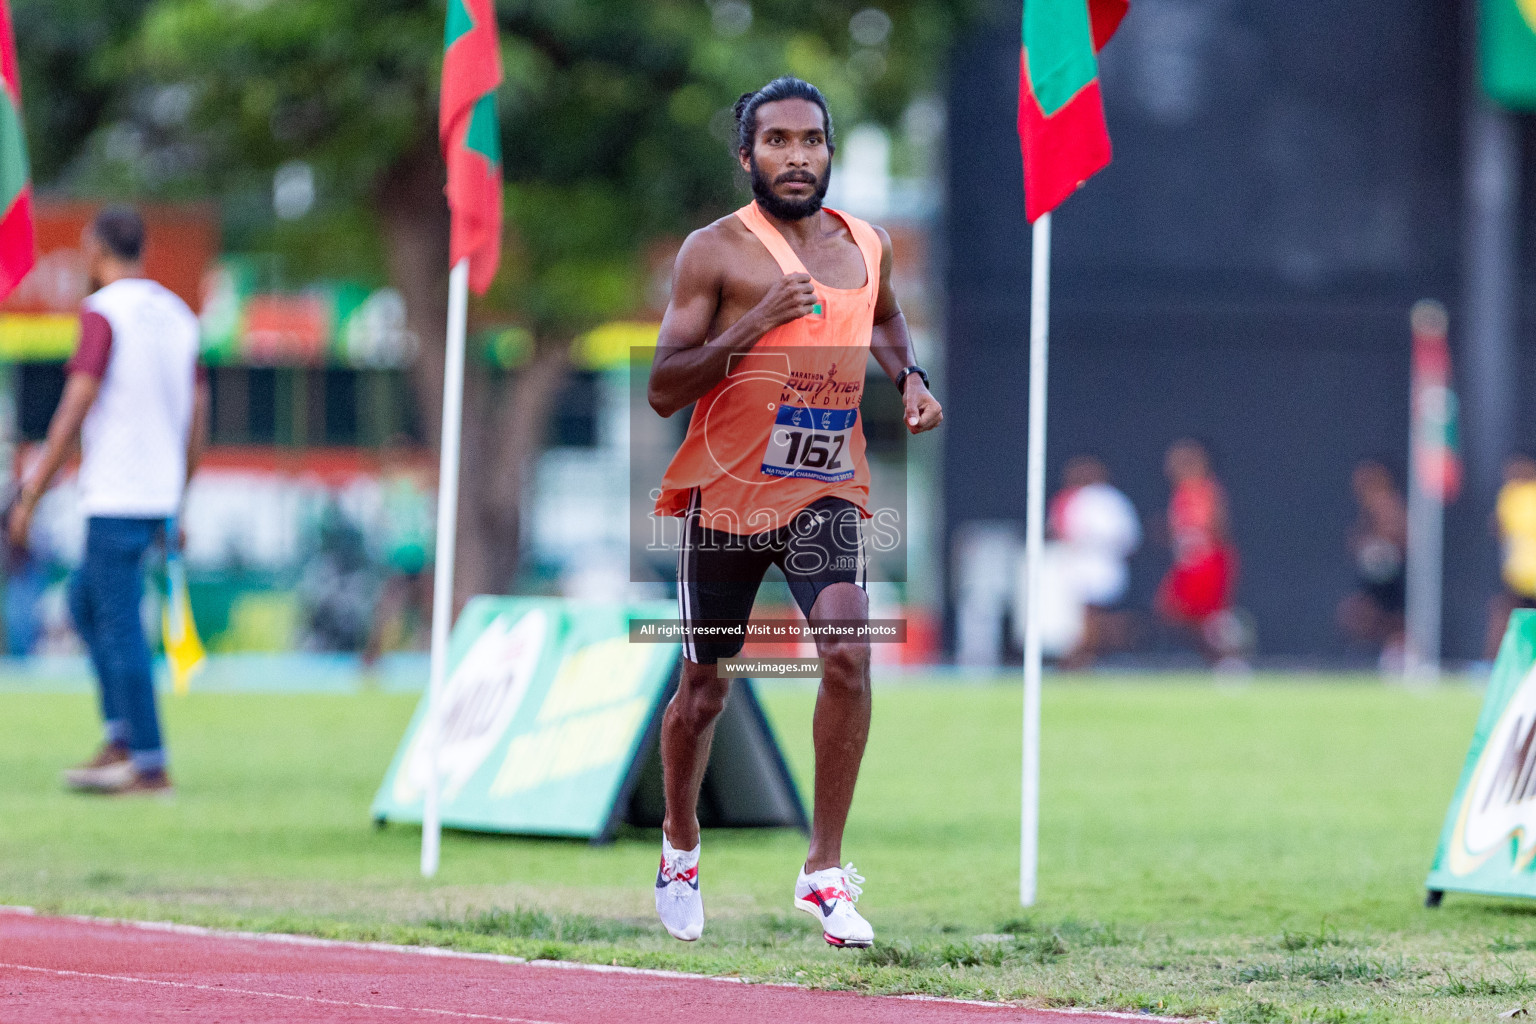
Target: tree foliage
<point x="615" y="113"/>
<point x="616" y="133"/>
<point x="72" y="84"/>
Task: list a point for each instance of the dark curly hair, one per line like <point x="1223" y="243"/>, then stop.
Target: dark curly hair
<point x="785" y="88"/>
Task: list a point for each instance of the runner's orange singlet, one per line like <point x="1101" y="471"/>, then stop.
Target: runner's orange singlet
<point x="782" y="429"/>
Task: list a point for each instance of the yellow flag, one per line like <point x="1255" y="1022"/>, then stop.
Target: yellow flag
<point x="183" y="647"/>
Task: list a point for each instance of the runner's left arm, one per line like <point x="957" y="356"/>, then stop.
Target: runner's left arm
<point x="891" y="344"/>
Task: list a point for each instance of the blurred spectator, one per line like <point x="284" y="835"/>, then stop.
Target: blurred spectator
<point x="1515" y="522"/>
<point x="1373" y="613"/>
<point x="1099" y="530"/>
<point x="404" y="608"/>
<point x="986" y="574"/>
<point x="137" y="405"/>
<point x="337" y="588"/>
<point x="1197" y="593"/>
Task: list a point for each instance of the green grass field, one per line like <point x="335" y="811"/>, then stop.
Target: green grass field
<point x="1251" y="853"/>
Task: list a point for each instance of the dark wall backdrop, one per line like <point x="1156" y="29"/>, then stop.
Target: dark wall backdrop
<point x="1287" y="181"/>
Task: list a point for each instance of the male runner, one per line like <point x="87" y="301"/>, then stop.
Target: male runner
<point x="774" y="313"/>
<point x="133" y="399"/>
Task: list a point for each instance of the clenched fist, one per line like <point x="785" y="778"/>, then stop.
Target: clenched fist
<point x="790" y="298"/>
<point x="923" y="411"/>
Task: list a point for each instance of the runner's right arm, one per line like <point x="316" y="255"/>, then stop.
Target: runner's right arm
<point x="80" y="391"/>
<point x="688" y="362"/>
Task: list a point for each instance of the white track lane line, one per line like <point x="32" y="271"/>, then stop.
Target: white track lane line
<point x="318" y="1000"/>
<point x="276" y="938"/>
<point x="280" y="938"/>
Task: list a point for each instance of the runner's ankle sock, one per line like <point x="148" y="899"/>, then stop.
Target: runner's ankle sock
<point x="680" y="860"/>
<point x="117" y="732"/>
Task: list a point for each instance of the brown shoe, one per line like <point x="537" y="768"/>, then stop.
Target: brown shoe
<point x="110" y="767"/>
<point x="152" y="783"/>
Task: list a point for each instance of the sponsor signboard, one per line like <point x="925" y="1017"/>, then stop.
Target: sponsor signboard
<point x="334" y="323"/>
<point x="1509" y="52"/>
<point x="345" y="323"/>
<point x="1488" y="843"/>
<point x="548" y="725"/>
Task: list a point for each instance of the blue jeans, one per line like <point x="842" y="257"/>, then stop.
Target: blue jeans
<point x="104" y="599"/>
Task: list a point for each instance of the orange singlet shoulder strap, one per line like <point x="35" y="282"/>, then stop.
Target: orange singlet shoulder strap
<point x="868" y="241"/>
<point x="864" y="237"/>
<point x="774" y="242"/>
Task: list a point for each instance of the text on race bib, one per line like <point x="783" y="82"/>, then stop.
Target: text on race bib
<point x="809" y="443"/>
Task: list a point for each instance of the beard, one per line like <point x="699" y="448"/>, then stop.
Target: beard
<point x="789" y="209"/>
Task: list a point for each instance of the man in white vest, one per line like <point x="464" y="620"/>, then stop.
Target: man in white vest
<point x="134" y="398"/>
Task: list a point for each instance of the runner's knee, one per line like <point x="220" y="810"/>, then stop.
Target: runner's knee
<point x="701" y="696"/>
<point x="846" y="666"/>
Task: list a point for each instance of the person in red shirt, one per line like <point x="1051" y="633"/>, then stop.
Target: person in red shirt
<point x="1197" y="593"/>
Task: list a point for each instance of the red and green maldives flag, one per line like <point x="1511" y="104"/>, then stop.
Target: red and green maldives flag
<point x="1061" y="112"/>
<point x="18" y="250"/>
<point x="471" y="137"/>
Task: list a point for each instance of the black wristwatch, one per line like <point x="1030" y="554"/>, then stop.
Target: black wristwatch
<point x="901" y="378"/>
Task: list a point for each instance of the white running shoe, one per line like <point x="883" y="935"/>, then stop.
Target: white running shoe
<point x="678" y="902"/>
<point x="828" y="895"/>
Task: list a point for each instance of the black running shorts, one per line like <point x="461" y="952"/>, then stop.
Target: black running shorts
<point x="718" y="573"/>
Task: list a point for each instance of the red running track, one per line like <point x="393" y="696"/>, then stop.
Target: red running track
<point x="74" y="969"/>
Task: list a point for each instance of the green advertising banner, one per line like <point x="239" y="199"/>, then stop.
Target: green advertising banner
<point x="1489" y="839"/>
<point x="1509" y="52"/>
<point x="548" y="725"/>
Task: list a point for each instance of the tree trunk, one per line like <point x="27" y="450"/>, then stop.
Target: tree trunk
<point x="504" y="421"/>
<point x="413" y="213"/>
<point x="511" y="419"/>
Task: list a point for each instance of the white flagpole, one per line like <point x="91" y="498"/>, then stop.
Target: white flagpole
<point x="1429" y="399"/>
<point x="1034" y="544"/>
<point x="447" y="538"/>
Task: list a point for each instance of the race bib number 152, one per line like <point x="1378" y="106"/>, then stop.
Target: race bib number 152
<point x="811" y="444"/>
